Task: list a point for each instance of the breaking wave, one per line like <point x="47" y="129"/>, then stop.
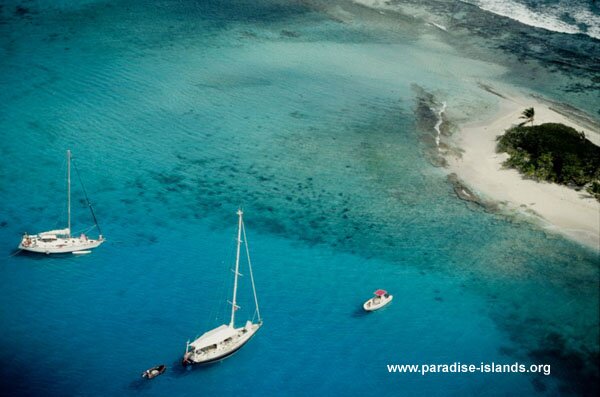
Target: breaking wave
<point x="565" y="16"/>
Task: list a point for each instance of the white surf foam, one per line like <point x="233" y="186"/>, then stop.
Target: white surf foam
<point x="437" y="25"/>
<point x="438" y="125"/>
<point x="548" y="18"/>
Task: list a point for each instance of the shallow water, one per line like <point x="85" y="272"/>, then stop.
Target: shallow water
<point x="177" y="113"/>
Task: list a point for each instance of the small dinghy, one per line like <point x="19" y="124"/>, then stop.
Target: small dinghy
<point x="154" y="372"/>
<point x="380" y="299"/>
<point x="85" y="252"/>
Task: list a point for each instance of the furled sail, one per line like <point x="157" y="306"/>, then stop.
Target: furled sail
<point x="57" y="232"/>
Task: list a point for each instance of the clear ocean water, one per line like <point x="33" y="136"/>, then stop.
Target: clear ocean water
<point x="307" y="114"/>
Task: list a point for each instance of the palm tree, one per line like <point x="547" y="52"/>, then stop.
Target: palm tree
<point x="528" y="114"/>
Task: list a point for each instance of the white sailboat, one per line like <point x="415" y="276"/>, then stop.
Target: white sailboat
<point x="61" y="241"/>
<point x="226" y="339"/>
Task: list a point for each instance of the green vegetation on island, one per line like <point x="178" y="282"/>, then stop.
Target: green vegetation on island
<point x="552" y="152"/>
<point x="528" y="114"/>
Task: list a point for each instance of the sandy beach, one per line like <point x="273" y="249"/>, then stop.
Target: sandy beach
<point x="575" y="214"/>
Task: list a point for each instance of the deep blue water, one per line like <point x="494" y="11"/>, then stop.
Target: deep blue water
<point x="306" y="115"/>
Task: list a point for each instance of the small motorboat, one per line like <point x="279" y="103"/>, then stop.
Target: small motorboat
<point x="380" y="299"/>
<point x="154" y="371"/>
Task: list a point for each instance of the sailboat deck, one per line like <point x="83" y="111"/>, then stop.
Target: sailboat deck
<point x="57" y="244"/>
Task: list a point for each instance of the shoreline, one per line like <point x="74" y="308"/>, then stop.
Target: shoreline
<point x="557" y="208"/>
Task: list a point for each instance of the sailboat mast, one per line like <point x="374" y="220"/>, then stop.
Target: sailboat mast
<point x="237" y="267"/>
<point x="69" y="192"/>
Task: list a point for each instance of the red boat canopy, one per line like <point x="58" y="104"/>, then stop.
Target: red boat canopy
<point x="380" y="292"/>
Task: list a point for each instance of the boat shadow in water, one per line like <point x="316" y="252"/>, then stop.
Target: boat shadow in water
<point x="360" y="312"/>
<point x="42" y="256"/>
<point x="140" y="384"/>
<point x="179" y="370"/>
<point x="39" y="255"/>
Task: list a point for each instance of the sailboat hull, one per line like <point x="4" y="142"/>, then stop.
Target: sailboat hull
<point x="216" y="359"/>
<point x="58" y="246"/>
<point x="208" y="358"/>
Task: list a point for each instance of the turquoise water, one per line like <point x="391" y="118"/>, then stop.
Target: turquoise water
<point x="306" y="115"/>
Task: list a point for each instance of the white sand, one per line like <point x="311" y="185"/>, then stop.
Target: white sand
<point x="574" y="214"/>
